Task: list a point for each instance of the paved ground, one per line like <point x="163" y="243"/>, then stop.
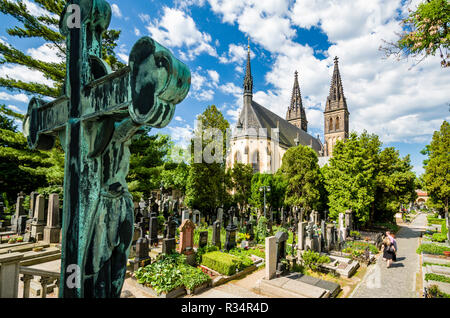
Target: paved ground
<point x="398" y="281"/>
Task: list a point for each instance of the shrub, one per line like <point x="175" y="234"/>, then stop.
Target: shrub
<point x="355" y="234"/>
<point x="225" y="264"/>
<point x="361" y="246"/>
<point x="434" y="292"/>
<point x="437" y="278"/>
<point x="312" y="260"/>
<point x="204" y="250"/>
<point x="432" y="249"/>
<point x="193" y="277"/>
<point x="439" y="237"/>
<point x="261" y="229"/>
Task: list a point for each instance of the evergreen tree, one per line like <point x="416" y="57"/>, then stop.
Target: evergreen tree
<point x="45" y="26"/>
<point x="437" y="168"/>
<point x="241" y="177"/>
<point x="260" y="180"/>
<point x="301" y="169"/>
<point x="207" y="182"/>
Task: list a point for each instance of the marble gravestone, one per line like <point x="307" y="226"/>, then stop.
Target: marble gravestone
<point x="52" y="231"/>
<point x="95" y="118"/>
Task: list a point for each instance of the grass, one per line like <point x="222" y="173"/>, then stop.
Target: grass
<point x="436" y="264"/>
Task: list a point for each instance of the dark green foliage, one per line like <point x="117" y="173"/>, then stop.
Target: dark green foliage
<point x="437" y="168"/>
<point x="432" y="249"/>
<point x="312" y="260"/>
<point x="170" y="272"/>
<point x="437" y="278"/>
<point x="301" y="170"/>
<point x="225" y="264"/>
<point x="241" y="178"/>
<point x="261" y="230"/>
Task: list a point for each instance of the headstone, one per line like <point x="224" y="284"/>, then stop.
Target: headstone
<point x="249" y="230"/>
<point x="235" y="221"/>
<point x="271" y="257"/>
<point x="230" y="239"/>
<point x="196" y="217"/>
<point x="220" y="215"/>
<point x="38" y="225"/>
<point x="33" y="197"/>
<point x="349" y="220"/>
<point x="203" y="239"/>
<point x="323" y="231"/>
<point x="245" y="244"/>
<point x="186" y="245"/>
<point x="153" y="229"/>
<point x="142" y="258"/>
<point x="19" y="210"/>
<point x="301" y="235"/>
<point x="216" y="234"/>
<point x="330" y="236"/>
<point x="52" y="230"/>
<point x="282" y="238"/>
<point x="185" y="215"/>
<point x="169" y="241"/>
<point x="316" y="217"/>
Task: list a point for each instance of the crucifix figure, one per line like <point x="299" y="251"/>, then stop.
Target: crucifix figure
<point x="95" y="119"/>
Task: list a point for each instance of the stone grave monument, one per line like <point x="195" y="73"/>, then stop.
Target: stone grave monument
<point x="216" y="234"/>
<point x="38" y="224"/>
<point x="153" y="229"/>
<point x="95" y="118"/>
<point x="169" y="241"/>
<point x="52" y="231"/>
<point x="142" y="258"/>
<point x="186" y="245"/>
<point x="19" y="210"/>
<point x="282" y="238"/>
<point x="231" y="229"/>
<point x="203" y="239"/>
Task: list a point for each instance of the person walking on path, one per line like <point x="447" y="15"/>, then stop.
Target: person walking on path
<point x="388" y="251"/>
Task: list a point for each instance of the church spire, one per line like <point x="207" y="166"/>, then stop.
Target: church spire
<point x="248" y="81"/>
<point x="296" y="114"/>
<point x="336" y="96"/>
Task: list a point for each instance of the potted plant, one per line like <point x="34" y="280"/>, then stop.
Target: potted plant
<point x="19" y="239"/>
<point x="11" y="241"/>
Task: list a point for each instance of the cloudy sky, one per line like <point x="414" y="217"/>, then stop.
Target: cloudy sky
<point x="403" y="102"/>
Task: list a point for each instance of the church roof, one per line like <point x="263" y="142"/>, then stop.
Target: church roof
<point x="256" y="116"/>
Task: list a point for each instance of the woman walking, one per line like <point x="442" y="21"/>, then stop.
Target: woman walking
<point x="388" y="251"/>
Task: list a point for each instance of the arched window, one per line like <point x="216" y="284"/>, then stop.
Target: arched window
<point x="337" y="124"/>
<point x="237" y="157"/>
<point x="255" y="161"/>
<point x="330" y="127"/>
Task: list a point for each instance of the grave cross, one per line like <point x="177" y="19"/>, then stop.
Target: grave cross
<point x="95" y="119"/>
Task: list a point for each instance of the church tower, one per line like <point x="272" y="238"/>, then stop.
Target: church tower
<point x="296" y="114"/>
<point x="336" y="113"/>
<point x="248" y="81"/>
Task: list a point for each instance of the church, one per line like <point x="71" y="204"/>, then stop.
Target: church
<point x="261" y="138"/>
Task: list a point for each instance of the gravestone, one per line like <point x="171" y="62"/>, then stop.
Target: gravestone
<point x="203" y="239"/>
<point x="169" y="241"/>
<point x="282" y="238"/>
<point x="38" y="223"/>
<point x="153" y="229"/>
<point x="220" y="215"/>
<point x="235" y="221"/>
<point x="95" y="118"/>
<point x="249" y="230"/>
<point x="230" y="239"/>
<point x="186" y="245"/>
<point x="142" y="258"/>
<point x="33" y="197"/>
<point x="349" y="220"/>
<point x="330" y="237"/>
<point x="342" y="229"/>
<point x="52" y="231"/>
<point x="196" y="217"/>
<point x="323" y="231"/>
<point x="216" y="234"/>
<point x="22" y="224"/>
<point x="185" y="215"/>
<point x="271" y="257"/>
<point x="301" y="235"/>
<point x="19" y="210"/>
<point x="316" y="217"/>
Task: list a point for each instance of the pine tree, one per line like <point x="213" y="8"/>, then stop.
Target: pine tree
<point x="43" y="27"/>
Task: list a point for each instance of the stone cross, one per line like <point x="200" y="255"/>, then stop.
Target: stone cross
<point x="95" y="119"/>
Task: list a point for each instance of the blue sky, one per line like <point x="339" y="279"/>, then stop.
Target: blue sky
<point x="400" y="101"/>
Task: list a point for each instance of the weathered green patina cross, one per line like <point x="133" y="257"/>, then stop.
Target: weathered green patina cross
<point x="95" y="120"/>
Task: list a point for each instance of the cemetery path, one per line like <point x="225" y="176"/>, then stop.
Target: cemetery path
<point x="398" y="281"/>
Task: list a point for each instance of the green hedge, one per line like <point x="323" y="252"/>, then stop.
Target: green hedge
<point x="225" y="264"/>
<point x="432" y="249"/>
<point x="437" y="278"/>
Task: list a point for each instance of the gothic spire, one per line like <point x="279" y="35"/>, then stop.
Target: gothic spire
<point x="336" y="99"/>
<point x="296" y="112"/>
<point x="248" y="81"/>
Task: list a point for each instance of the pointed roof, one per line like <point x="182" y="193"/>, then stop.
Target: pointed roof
<point x="248" y="80"/>
<point x="336" y="99"/>
<point x="260" y="117"/>
<point x="296" y="98"/>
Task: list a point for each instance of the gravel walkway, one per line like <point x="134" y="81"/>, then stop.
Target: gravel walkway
<point x="398" y="281"/>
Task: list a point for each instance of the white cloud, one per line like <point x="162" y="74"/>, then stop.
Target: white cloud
<point x="177" y="29"/>
<point x="18" y="97"/>
<point x="116" y="10"/>
<point x="214" y="76"/>
<point x="235" y="54"/>
<point x="178" y="118"/>
<point x="22" y="73"/>
<point x="137" y="32"/>
<point x="16" y="109"/>
<point x="181" y="135"/>
<point x="384" y="96"/>
<point x="46" y="53"/>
